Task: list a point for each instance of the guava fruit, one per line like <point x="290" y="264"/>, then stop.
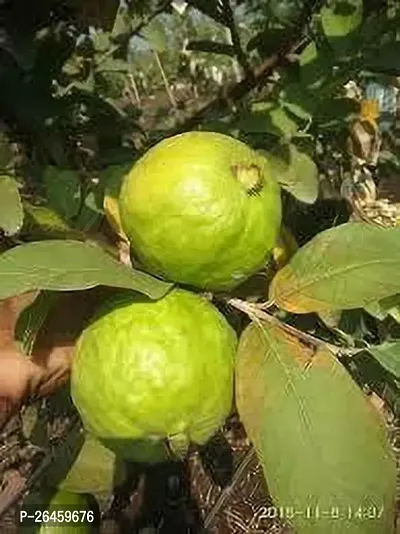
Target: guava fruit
<point x="201" y="209"/>
<point x="62" y="512"/>
<point x="146" y="373"/>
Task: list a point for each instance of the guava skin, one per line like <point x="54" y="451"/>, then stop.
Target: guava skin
<point x="190" y="219"/>
<point x="151" y="370"/>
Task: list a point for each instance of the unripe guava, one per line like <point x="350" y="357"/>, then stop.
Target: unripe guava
<point x="146" y="371"/>
<point x="201" y="209"/>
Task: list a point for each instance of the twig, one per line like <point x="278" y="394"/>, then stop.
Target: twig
<point x="256" y="314"/>
<point x="226" y="493"/>
<point x="235" y="37"/>
<point x="165" y="80"/>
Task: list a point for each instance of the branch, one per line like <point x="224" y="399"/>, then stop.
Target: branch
<point x="255" y="77"/>
<point x="211" y="47"/>
<point x="237" y="45"/>
<point x="257" y="314"/>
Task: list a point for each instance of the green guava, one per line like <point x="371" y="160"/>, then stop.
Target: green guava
<point x="201" y="209"/>
<point x="62" y="516"/>
<point x="146" y="373"/>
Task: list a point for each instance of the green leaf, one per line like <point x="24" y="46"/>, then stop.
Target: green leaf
<point x="69" y="265"/>
<point x="322" y="446"/>
<point x="112" y="176"/>
<point x="63" y="191"/>
<point x="96" y="470"/>
<point x="110" y="64"/>
<point x="155" y="34"/>
<point x="388" y="355"/>
<point x="285" y="11"/>
<point x="11" y="211"/>
<point x="385" y="307"/>
<point x="122" y="23"/>
<point x="341" y="268"/>
<point x="341" y="17"/>
<point x="267" y="117"/>
<point x="309" y="54"/>
<point x="295" y="171"/>
<point x="297" y="110"/>
<point x="42" y="222"/>
<point x="383" y="58"/>
<point x="101" y="40"/>
<point x="93" y="201"/>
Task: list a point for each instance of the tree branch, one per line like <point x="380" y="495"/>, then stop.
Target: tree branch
<point x="257" y="314"/>
<point x="235" y="37"/>
<point x="255" y="77"/>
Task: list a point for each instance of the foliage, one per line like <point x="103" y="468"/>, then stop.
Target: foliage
<point x="87" y="87"/>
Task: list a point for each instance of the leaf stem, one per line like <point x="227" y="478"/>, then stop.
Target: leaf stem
<point x="258" y="315"/>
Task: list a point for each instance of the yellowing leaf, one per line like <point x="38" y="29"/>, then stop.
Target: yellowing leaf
<point x="285" y="248"/>
<point x="370" y="110"/>
<point x="111" y="209"/>
<point x="112" y="178"/>
<point x="322" y="446"/>
<point x="341" y="268"/>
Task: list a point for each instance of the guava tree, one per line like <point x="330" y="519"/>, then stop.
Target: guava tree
<point x="312" y="88"/>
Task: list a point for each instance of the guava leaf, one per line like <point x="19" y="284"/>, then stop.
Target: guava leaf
<point x="331" y="318"/>
<point x="388" y="355"/>
<point x="295" y="171"/>
<point x="42" y="221"/>
<point x="101" y="40"/>
<point x="63" y="191"/>
<point x="123" y="23"/>
<point x="267" y="117"/>
<point x="385" y="307"/>
<point x="60" y="265"/>
<point x="155" y="34"/>
<point x="96" y="470"/>
<point x="384" y="57"/>
<point x="323" y="448"/>
<point x="11" y="211"/>
<point x="112" y="65"/>
<point x="297" y="110"/>
<point x="341" y="17"/>
<point x="342" y="268"/>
